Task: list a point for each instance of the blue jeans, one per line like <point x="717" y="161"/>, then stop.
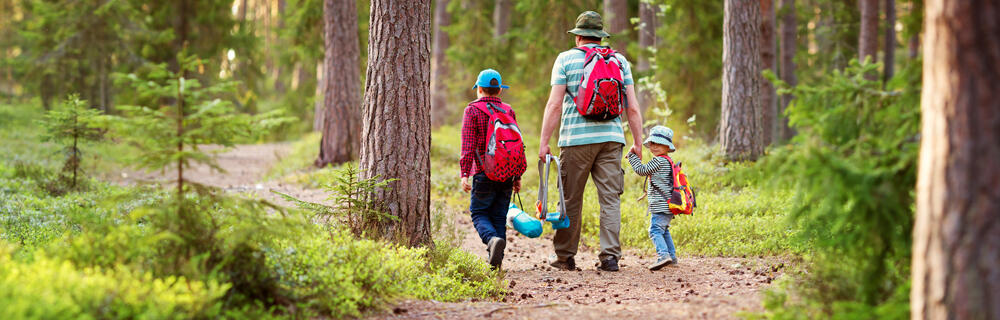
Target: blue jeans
<point x="659" y="232"/>
<point x="489" y="205"/>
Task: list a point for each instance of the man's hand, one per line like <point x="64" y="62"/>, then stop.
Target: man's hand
<point x="543" y="151"/>
<point x="465" y="184"/>
<point x="517" y="185"/>
<point x="637" y="150"/>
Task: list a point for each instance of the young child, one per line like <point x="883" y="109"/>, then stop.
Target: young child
<point x="659" y="142"/>
<point x="490" y="199"/>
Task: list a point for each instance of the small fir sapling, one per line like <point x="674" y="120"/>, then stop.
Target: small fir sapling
<point x="71" y="125"/>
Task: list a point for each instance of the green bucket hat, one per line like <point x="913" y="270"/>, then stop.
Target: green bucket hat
<point x="661" y="135"/>
<point x="589" y="24"/>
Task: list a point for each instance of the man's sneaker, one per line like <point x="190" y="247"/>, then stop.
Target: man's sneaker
<point x="663" y="262"/>
<point x="568" y="264"/>
<point x="609" y="264"/>
<point x="496" y="247"/>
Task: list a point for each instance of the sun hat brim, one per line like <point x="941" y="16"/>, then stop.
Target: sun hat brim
<point x="659" y="139"/>
<point x="589" y="33"/>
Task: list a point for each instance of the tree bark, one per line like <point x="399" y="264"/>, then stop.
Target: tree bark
<point x="768" y="59"/>
<point x="868" y="35"/>
<point x="318" y="113"/>
<point x="341" y="83"/>
<point x="889" y="52"/>
<point x="396" y="125"/>
<point x="439" y="63"/>
<point x="957" y="234"/>
<point x="649" y="22"/>
<point x="789" y="45"/>
<point x="501" y="18"/>
<point x="741" y="123"/>
<point x="616" y="23"/>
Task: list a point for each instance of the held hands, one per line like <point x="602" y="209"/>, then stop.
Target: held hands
<point x="637" y="150"/>
<point x="465" y="184"/>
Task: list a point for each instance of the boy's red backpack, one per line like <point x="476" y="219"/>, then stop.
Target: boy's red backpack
<point x="602" y="91"/>
<point x="682" y="197"/>
<point x="504" y="158"/>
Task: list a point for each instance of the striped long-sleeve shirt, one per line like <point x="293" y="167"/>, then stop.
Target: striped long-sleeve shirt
<point x="660" y="181"/>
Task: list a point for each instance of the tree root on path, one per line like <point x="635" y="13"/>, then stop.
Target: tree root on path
<point x="544" y="305"/>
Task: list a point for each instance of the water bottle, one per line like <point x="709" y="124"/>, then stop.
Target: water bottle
<point x="523" y="223"/>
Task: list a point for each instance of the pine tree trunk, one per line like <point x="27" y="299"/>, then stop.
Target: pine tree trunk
<point x="341" y="83"/>
<point x="439" y="63"/>
<point x="868" y="35"/>
<point x="396" y="124"/>
<point x="889" y="51"/>
<point x="741" y="123"/>
<point x="768" y="59"/>
<point x="789" y="44"/>
<point x="616" y="23"/>
<point x="957" y="234"/>
<point x="649" y="22"/>
<point x="501" y="18"/>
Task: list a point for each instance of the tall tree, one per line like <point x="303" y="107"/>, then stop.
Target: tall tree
<point x="868" y="37"/>
<point x="768" y="60"/>
<point x="957" y="233"/>
<point x="439" y="63"/>
<point x="396" y="127"/>
<point x="789" y="44"/>
<point x="616" y="22"/>
<point x="741" y="123"/>
<point x="648" y="23"/>
<point x="501" y="18"/>
<point x="889" y="51"/>
<point x="341" y="83"/>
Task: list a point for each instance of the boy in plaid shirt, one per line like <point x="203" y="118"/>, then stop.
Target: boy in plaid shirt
<point x="490" y="199"/>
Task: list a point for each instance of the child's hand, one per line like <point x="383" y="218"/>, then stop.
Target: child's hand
<point x="517" y="186"/>
<point x="465" y="184"/>
<point x="637" y="150"/>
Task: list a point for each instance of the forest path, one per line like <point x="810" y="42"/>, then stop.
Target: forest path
<point x="246" y="167"/>
<point x="700" y="287"/>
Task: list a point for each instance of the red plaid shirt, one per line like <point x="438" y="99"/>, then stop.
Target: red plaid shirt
<point x="475" y="131"/>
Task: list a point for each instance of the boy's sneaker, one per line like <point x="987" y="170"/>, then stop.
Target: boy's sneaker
<point x="609" y="264"/>
<point x="496" y="247"/>
<point x="662" y="262"/>
<point x="569" y="264"/>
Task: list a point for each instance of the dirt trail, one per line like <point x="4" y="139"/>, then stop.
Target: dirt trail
<point x="245" y="165"/>
<point x="703" y="288"/>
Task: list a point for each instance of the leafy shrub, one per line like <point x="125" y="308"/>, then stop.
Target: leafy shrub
<point x="49" y="289"/>
<point x="853" y="168"/>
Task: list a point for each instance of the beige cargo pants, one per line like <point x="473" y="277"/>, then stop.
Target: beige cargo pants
<point x="602" y="162"/>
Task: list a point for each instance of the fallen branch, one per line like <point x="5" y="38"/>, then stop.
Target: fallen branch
<point x="544" y="305"/>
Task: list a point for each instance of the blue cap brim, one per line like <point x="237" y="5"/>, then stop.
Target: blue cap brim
<point x="501" y="86"/>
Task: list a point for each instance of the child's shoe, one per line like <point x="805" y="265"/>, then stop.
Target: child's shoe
<point x="662" y="262"/>
<point x="496" y="247"/>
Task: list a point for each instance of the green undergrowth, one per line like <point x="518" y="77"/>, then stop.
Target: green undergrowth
<point x="108" y="251"/>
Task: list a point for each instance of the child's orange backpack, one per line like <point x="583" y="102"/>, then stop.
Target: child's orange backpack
<point x="682" y="198"/>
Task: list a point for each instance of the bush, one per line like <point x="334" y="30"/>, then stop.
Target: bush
<point x="852" y="168"/>
<point x="50" y="289"/>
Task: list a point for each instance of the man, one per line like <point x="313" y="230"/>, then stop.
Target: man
<point x="588" y="147"/>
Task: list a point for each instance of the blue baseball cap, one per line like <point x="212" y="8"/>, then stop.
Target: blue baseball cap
<point x="489" y="78"/>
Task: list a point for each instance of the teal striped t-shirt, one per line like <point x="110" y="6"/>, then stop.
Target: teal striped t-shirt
<point x="574" y="129"/>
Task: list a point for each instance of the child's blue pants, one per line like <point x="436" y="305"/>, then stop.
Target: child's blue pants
<point x="489" y="205"/>
<point x="659" y="232"/>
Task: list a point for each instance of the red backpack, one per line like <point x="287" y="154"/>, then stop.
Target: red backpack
<point x="601" y="95"/>
<point x="682" y="198"/>
<point x="504" y="158"/>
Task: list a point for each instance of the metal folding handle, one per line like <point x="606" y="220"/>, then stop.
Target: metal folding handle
<point x="543" y="179"/>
